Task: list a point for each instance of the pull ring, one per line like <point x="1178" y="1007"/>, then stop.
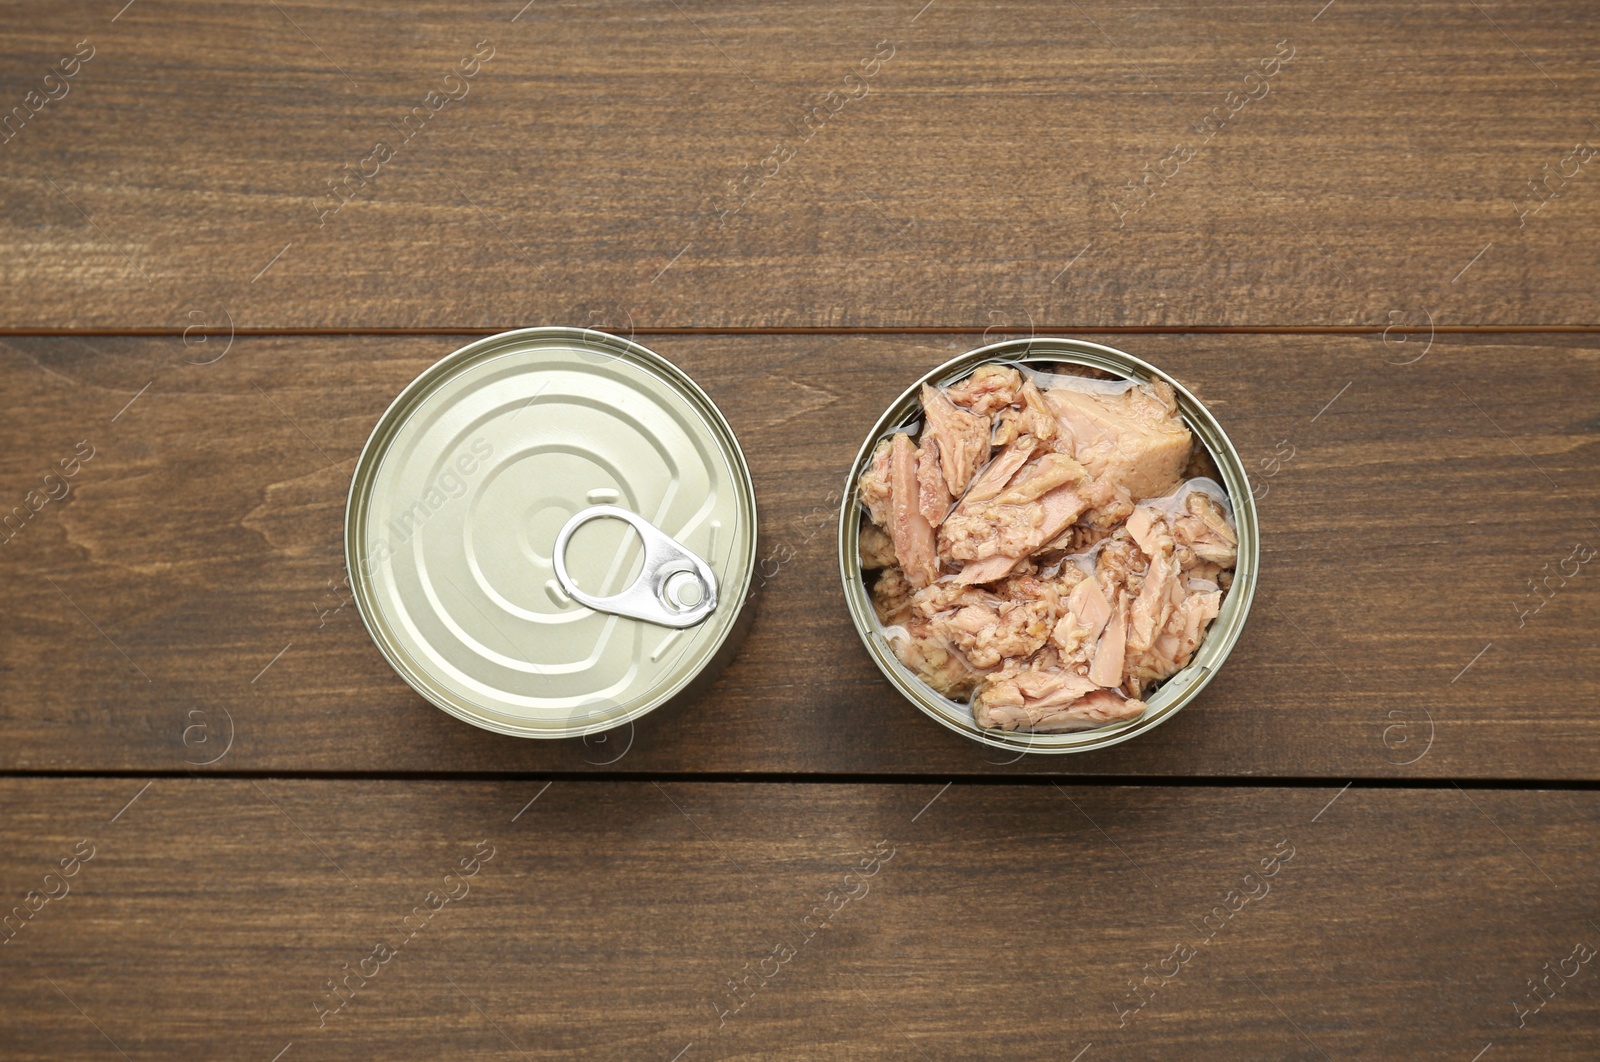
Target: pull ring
<point x="656" y="596"/>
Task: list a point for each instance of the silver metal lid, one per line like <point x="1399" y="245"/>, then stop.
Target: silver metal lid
<point x="551" y="532"/>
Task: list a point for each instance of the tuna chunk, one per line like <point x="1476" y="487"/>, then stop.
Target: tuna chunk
<point x="1194" y="614"/>
<point x="1085" y="617"/>
<point x="947" y="595"/>
<point x="933" y="659"/>
<point x="891" y="597"/>
<point x="876" y="547"/>
<point x="1050" y="471"/>
<point x="1088" y="603"/>
<point x="1100" y="708"/>
<point x="1059" y="507"/>
<point x="1135" y="437"/>
<point x="1108" y="509"/>
<point x="874" y="487"/>
<point x="1079" y="537"/>
<point x="1204" y="529"/>
<point x="993" y="479"/>
<point x="913" y="536"/>
<point x="1158" y="596"/>
<point x="987" y="636"/>
<point x="1175" y="645"/>
<point x="1052" y="586"/>
<point x="962" y="437"/>
<point x="989" y="389"/>
<point x="1020" y="700"/>
<point x="987" y="530"/>
<point x="994" y="528"/>
<point x="1049" y="702"/>
<point x="1175" y="604"/>
<point x="933" y="494"/>
<point x="1036" y="505"/>
<point x="1149" y="531"/>
<point x="1111" y="652"/>
<point x="986" y="571"/>
<point x="1032" y="422"/>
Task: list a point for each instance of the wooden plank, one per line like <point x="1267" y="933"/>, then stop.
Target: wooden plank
<point x="608" y="920"/>
<point x="190" y="584"/>
<point x="653" y="161"/>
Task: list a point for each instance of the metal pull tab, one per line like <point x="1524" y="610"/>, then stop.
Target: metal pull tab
<point x="656" y="596"/>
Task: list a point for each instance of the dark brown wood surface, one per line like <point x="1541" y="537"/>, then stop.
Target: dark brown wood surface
<point x="1391" y="166"/>
<point x="238" y="230"/>
<point x="1404" y="510"/>
<point x="1001" y="921"/>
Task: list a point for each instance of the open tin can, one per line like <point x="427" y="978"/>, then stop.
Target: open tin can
<point x="552" y="532"/>
<point x="1173" y="693"/>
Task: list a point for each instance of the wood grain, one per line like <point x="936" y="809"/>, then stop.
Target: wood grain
<point x="646" y="165"/>
<point x="188" y="588"/>
<point x="1003" y="921"/>
<point x="984" y="175"/>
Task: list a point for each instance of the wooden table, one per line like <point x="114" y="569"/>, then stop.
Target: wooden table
<point x="1365" y="235"/>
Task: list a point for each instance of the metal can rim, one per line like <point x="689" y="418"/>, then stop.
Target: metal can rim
<point x="1220" y="639"/>
<point x="395" y="415"/>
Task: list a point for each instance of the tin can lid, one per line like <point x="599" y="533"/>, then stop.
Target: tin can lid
<point x="476" y="470"/>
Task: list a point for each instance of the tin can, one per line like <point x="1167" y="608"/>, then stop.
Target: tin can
<point x="552" y="532"/>
<point x="1173" y="693"/>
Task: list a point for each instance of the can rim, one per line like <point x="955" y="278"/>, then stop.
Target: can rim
<point x="1183" y="686"/>
<point x="398" y="411"/>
